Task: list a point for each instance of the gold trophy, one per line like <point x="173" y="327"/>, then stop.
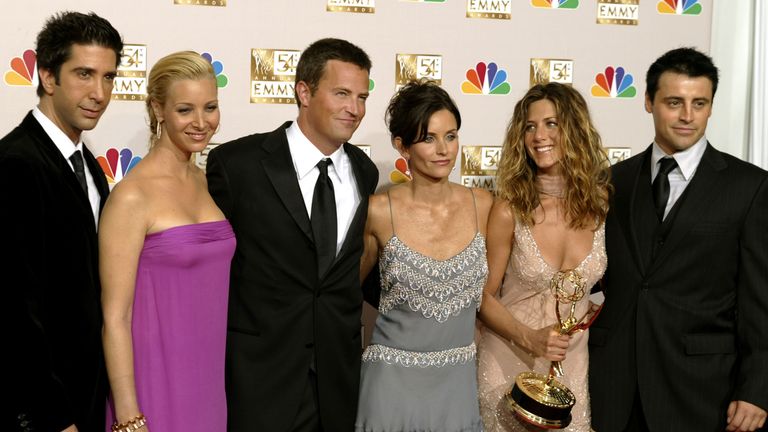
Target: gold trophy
<point x="540" y="399"/>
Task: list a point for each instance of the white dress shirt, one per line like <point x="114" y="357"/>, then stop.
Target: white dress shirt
<point x="305" y="158"/>
<point x="67" y="149"/>
<point x="679" y="178"/>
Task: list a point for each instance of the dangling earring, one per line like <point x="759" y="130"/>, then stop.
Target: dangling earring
<point x="158" y="130"/>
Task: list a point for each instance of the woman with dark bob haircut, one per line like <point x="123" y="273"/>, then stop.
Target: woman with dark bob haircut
<point x="547" y="223"/>
<point x="419" y="372"/>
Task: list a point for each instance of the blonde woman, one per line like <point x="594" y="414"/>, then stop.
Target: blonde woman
<point x="165" y="251"/>
<point x="553" y="189"/>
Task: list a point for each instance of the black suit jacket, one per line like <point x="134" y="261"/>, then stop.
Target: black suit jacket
<point x="280" y="312"/>
<point x="54" y="374"/>
<point x="685" y="328"/>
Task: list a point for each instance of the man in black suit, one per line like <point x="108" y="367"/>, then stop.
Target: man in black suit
<point x="297" y="199"/>
<point x="682" y="342"/>
<point x="52" y="190"/>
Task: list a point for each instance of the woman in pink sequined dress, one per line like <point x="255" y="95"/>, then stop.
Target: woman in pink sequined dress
<point x="553" y="190"/>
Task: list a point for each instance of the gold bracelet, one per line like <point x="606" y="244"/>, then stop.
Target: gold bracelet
<point x="131" y="425"/>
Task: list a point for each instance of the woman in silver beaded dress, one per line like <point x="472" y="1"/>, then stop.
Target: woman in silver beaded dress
<point x="553" y="189"/>
<point x="419" y="373"/>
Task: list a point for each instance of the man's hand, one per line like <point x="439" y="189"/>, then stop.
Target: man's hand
<point x="743" y="417"/>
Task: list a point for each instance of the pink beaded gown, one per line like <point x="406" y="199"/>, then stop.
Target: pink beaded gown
<point x="526" y="294"/>
<point x="179" y="327"/>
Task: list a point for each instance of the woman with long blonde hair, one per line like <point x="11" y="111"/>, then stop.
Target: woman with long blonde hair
<point x="552" y="199"/>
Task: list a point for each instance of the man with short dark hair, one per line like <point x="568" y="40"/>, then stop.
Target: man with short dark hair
<point x="52" y="190"/>
<point x="682" y="341"/>
<point x="297" y="198"/>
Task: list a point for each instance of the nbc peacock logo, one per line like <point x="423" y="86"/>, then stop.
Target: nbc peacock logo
<point x="117" y="164"/>
<point x="679" y="7"/>
<point x="401" y="173"/>
<point x="555" y="4"/>
<point x="23" y="71"/>
<point x="218" y="69"/>
<point x="614" y="83"/>
<point x="486" y="79"/>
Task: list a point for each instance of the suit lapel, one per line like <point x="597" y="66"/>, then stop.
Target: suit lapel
<point x="281" y="173"/>
<point x="57" y="161"/>
<point x="362" y="189"/>
<point x="98" y="176"/>
<point x="696" y="202"/>
<point x="625" y="206"/>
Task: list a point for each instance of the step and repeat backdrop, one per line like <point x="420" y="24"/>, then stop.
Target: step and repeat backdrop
<point x="485" y="53"/>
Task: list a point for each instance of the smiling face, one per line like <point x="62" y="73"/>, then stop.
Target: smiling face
<point x="434" y="157"/>
<point x="190" y="114"/>
<point x="681" y="108"/>
<point x="330" y="115"/>
<point x="542" y="136"/>
<point x="83" y="91"/>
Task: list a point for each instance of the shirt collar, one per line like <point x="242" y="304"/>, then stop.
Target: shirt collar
<point x="687" y="160"/>
<point x="306" y="156"/>
<point x="59" y="138"/>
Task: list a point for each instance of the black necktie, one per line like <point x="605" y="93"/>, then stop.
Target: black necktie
<point x="661" y="186"/>
<point x="324" y="218"/>
<point x="77" y="164"/>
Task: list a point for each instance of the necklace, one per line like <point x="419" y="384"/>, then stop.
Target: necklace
<point x="550" y="185"/>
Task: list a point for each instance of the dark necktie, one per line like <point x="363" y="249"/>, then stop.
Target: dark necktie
<point x="661" y="185"/>
<point x="77" y="164"/>
<point x="324" y="218"/>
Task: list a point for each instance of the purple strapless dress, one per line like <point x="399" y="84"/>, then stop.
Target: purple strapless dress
<point x="179" y="327"/>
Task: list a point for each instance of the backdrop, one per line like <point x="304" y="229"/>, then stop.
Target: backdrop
<point x="486" y="54"/>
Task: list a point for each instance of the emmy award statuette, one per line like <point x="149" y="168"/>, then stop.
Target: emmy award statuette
<point x="541" y="399"/>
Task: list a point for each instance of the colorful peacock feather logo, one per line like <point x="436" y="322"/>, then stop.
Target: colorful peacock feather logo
<point x="401" y="173"/>
<point x="555" y="4"/>
<point x="109" y="163"/>
<point x="679" y="7"/>
<point x="486" y="79"/>
<point x="614" y="83"/>
<point x="23" y="70"/>
<point x="218" y="68"/>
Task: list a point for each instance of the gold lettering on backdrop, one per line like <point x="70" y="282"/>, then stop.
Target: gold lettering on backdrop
<point x="622" y="12"/>
<point x="131" y="80"/>
<point x="618" y="154"/>
<point x="490" y="9"/>
<point x="417" y="66"/>
<point x="544" y="71"/>
<point x="220" y="3"/>
<point x="273" y="72"/>
<point x="479" y="165"/>
<point x="354" y="6"/>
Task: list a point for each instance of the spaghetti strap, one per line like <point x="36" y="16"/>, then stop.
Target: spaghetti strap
<point x="391" y="217"/>
<point x="474" y="203"/>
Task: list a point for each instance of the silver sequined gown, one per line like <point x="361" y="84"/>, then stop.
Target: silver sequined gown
<point x="526" y="294"/>
<point x="419" y="373"/>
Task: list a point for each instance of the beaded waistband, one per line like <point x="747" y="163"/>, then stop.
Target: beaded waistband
<point x="449" y="357"/>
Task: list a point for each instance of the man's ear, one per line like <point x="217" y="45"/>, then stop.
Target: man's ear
<point x="303" y="93"/>
<point x="648" y="103"/>
<point x="47" y="79"/>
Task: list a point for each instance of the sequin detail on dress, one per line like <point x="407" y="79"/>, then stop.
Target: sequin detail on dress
<point x="453" y="356"/>
<point x="526" y="294"/>
<point x="435" y="288"/>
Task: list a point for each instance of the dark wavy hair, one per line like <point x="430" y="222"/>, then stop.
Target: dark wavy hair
<point x="584" y="163"/>
<point x="62" y="30"/>
<point x="410" y="109"/>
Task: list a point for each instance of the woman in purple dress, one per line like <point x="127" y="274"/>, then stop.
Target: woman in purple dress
<point x="165" y="251"/>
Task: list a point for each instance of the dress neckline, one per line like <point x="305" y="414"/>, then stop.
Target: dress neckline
<point x="186" y="226"/>
<point x="397" y="239"/>
<point x="550" y="266"/>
